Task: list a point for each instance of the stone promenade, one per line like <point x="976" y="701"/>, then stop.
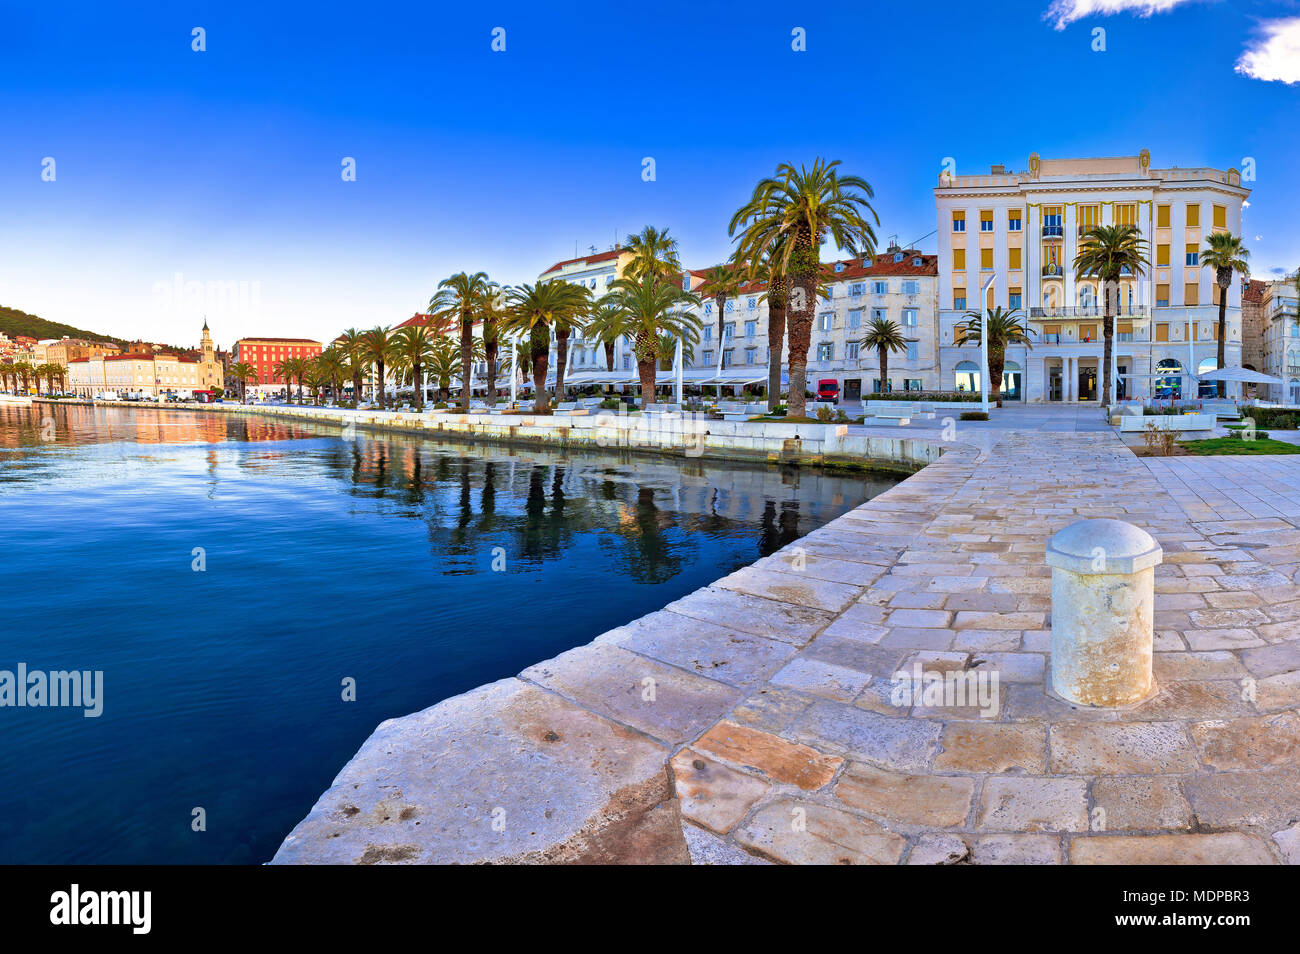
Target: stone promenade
<point x="756" y="720"/>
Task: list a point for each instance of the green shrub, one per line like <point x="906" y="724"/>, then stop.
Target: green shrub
<point x="974" y="416"/>
<point x="824" y="415"/>
<point x="1275" y="417"/>
<point x="960" y="397"/>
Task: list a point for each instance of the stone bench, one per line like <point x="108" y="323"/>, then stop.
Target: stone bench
<point x="1134" y="423"/>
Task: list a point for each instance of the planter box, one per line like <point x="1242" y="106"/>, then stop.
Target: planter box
<point x="1130" y="423"/>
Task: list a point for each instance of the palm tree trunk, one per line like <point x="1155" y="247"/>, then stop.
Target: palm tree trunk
<point x="1223" y="331"/>
<point x="997" y="361"/>
<point x="379" y="367"/>
<point x="417" y="375"/>
<point x="721" y="302"/>
<point x="1108" y="346"/>
<point x="804" y="271"/>
<point x="539" y="362"/>
<point x="561" y="361"/>
<point x="646" y="371"/>
<point x="884" y="369"/>
<point x="490" y="351"/>
<point x="609" y="355"/>
<point x="466" y="358"/>
<point x="776" y="316"/>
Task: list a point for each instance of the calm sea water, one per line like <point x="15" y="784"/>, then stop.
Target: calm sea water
<point x="326" y="559"/>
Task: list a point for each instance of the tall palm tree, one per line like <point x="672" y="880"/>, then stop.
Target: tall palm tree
<point x="722" y="283"/>
<point x="650" y="309"/>
<point x="1106" y="254"/>
<point x="241" y="371"/>
<point x="668" y="351"/>
<point x="334" y="364"/>
<point x="443" y="363"/>
<point x="316" y="377"/>
<point x="7" y="372"/>
<point x="413" y="345"/>
<point x="493" y="313"/>
<point x="767" y="271"/>
<point x="352" y="344"/>
<point x="533" y="311"/>
<point x="884" y="336"/>
<point x="654" y="253"/>
<point x="1225" y="253"/>
<point x="1004" y="328"/>
<point x="565" y="326"/>
<point x="461" y="298"/>
<point x="24" y="371"/>
<point x="603" y="326"/>
<point x="375" y="345"/>
<point x="790" y="215"/>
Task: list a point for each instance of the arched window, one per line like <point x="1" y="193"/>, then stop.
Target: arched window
<point x="968" y="376"/>
<point x="1170" y="384"/>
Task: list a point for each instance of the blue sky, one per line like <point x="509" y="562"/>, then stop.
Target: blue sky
<point x="224" y="166"/>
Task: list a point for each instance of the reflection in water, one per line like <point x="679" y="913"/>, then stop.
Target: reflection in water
<point x="326" y="558"/>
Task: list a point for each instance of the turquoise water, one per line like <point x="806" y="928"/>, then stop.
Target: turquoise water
<point x="326" y="559"/>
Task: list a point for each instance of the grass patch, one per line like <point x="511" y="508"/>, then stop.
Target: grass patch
<point x="1217" y="446"/>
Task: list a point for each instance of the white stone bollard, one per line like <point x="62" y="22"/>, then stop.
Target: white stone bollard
<point x="1103" y="594"/>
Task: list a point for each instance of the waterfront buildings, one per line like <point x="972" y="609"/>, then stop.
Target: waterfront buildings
<point x="147" y="374"/>
<point x="1280" y="339"/>
<point x="264" y="354"/>
<point x="1016" y="234"/>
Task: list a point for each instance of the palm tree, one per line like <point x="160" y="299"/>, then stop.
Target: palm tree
<point x="7" y="372"/>
<point x="564" y="327"/>
<point x="668" y="351"/>
<point x="1224" y="253"/>
<point x="461" y="297"/>
<point x="722" y="283"/>
<point x="650" y="309"/>
<point x="316" y="377"/>
<point x="884" y="336"/>
<point x="778" y="303"/>
<point x="412" y="345"/>
<point x="334" y="364"/>
<point x="290" y="368"/>
<point x="443" y="363"/>
<point x="654" y="253"/>
<point x="1107" y="253"/>
<point x="24" y="371"/>
<point x="533" y="310"/>
<point x="789" y="216"/>
<point x="603" y="328"/>
<point x="242" y="371"/>
<point x="1004" y="328"/>
<point x="352" y="344"/>
<point x="493" y="313"/>
<point x="375" y="345"/>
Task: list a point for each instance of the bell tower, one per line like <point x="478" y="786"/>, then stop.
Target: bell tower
<point x="209" y="368"/>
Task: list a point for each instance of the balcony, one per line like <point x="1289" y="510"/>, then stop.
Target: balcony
<point x="1283" y="306"/>
<point x="1053" y="231"/>
<point x="1053" y="271"/>
<point x="1087" y="311"/>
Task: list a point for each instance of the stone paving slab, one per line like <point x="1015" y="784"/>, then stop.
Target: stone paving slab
<point x="778" y="732"/>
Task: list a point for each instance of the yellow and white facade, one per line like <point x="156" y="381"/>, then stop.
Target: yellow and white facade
<point x="1016" y="234"/>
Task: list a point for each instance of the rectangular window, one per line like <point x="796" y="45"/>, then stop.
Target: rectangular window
<point x="959" y="300"/>
<point x="986" y="220"/>
<point x="728" y="332"/>
<point x="959" y="221"/>
<point x="959" y="260"/>
<point x="911" y="288"/>
<point x="824" y="321"/>
<point x="1193" y="215"/>
<point x="1013" y="258"/>
<point x="1052" y="334"/>
<point x="1193" y="254"/>
<point x="708" y="332"/>
<point x="1087" y="332"/>
<point x="1162" y="296"/>
<point x="751" y="329"/>
<point x="986" y="258"/>
<point x="880" y="288"/>
<point x="855" y="317"/>
<point x="856" y="289"/>
<point x="1192" y="293"/>
<point x="851" y="351"/>
<point x="1162" y="216"/>
<point x="1015" y="299"/>
<point x="912" y="352"/>
<point x="909" y="317"/>
<point x="1220" y="217"/>
<point x="1014" y="218"/>
<point x="728" y="357"/>
<point x="826" y="351"/>
<point x="1162" y="255"/>
<point x="627" y="361"/>
<point x="708" y="358"/>
<point x="750" y="354"/>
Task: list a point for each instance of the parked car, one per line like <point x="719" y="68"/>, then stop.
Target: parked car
<point x="828" y="389"/>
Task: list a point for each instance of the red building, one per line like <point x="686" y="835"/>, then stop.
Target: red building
<point x="265" y="354"/>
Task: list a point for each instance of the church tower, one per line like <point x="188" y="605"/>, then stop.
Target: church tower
<point x="210" y="375"/>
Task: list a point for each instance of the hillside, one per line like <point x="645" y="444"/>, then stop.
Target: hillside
<point x="14" y="322"/>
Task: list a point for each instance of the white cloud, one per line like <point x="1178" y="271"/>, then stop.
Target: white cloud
<point x="1275" y="54"/>
<point x="1065" y="12"/>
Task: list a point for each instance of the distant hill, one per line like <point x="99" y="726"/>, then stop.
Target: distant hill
<point x="14" y="322"/>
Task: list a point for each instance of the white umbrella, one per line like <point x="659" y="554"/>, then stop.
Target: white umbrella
<point x="1244" y="375"/>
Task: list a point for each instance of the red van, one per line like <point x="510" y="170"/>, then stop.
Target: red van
<point x="828" y="389"/>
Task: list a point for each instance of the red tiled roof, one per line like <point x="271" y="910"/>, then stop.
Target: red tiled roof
<point x="282" y="340"/>
<point x="611" y="255"/>
<point x="1254" y="291"/>
<point x="884" y="266"/>
<point x="125" y="357"/>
